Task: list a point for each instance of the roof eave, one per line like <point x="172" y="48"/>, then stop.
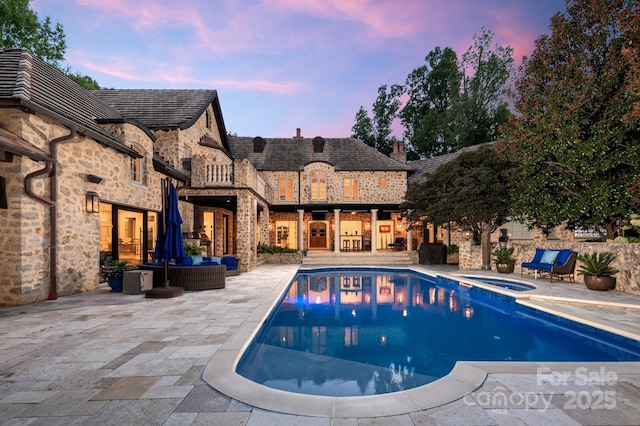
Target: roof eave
<point x="81" y="129"/>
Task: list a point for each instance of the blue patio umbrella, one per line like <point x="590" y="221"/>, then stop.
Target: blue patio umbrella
<point x="169" y="244"/>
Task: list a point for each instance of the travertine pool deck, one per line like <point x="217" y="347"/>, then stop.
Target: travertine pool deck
<point x="108" y="358"/>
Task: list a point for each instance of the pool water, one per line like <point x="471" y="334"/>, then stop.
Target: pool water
<point x="508" y="284"/>
<point x="348" y="332"/>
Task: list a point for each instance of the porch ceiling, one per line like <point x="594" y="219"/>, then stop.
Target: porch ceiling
<point x="229" y="202"/>
<point x="364" y="208"/>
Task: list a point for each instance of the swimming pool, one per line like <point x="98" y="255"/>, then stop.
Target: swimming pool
<point x="349" y="332"/>
<point x="508" y="284"/>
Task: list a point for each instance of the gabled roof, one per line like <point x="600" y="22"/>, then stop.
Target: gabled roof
<point x="159" y="108"/>
<point x="292" y="154"/>
<point x="28" y="81"/>
<point x="165" y="109"/>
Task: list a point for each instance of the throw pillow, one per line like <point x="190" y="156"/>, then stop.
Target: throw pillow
<point x="549" y="256"/>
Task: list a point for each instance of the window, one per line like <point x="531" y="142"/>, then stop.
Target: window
<point x="351" y="189"/>
<point x="136" y="167"/>
<point x="518" y="231"/>
<point x="318" y="186"/>
<point x="207" y="119"/>
<point x="286" y="189"/>
<point x="383" y="183"/>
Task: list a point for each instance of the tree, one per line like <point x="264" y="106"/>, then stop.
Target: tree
<point x="471" y="190"/>
<point x="576" y="137"/>
<point x="20" y="27"/>
<point x="481" y="107"/>
<point x="454" y="104"/>
<point x="83" y="80"/>
<point x="376" y="131"/>
<point x="426" y="116"/>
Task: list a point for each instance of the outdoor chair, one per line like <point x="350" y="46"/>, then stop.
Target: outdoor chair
<point x="397" y="244"/>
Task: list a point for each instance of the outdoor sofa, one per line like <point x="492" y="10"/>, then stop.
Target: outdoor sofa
<point x="560" y="263"/>
<point x="192" y="273"/>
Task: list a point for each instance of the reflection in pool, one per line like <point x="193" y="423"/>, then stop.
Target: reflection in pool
<point x="345" y="332"/>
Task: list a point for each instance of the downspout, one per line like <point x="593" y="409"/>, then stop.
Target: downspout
<point x="53" y="240"/>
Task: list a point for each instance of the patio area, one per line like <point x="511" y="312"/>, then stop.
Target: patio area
<point x="115" y="359"/>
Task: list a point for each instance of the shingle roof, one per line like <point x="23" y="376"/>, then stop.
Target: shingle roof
<point x="159" y="108"/>
<point x="430" y="165"/>
<point x="292" y="154"/>
<point x="27" y="80"/>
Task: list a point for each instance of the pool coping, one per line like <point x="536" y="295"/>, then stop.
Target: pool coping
<point x="465" y="377"/>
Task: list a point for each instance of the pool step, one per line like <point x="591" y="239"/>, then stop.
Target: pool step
<point x="357" y="258"/>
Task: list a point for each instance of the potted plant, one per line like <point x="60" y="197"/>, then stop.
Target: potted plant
<point x="113" y="271"/>
<point x="597" y="270"/>
<point x="504" y="260"/>
<point x="194" y="250"/>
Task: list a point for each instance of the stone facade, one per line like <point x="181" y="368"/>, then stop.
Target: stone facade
<point x="626" y="262"/>
<point x="26" y="226"/>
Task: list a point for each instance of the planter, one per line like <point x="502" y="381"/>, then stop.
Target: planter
<point x="116" y="284"/>
<point x="603" y="283"/>
<point x="505" y="268"/>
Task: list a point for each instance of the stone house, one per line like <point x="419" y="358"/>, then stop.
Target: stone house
<point x="81" y="172"/>
<point x="333" y="194"/>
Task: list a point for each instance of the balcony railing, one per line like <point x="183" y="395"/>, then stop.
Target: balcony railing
<point x="218" y="174"/>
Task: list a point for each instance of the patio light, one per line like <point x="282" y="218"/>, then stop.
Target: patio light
<point x="93" y="202"/>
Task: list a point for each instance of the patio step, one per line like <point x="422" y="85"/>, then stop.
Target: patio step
<point x="358" y="258"/>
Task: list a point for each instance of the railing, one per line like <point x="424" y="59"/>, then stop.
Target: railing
<point x="265" y="190"/>
<point x="218" y="174"/>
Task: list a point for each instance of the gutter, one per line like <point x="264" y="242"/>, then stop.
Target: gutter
<point x="50" y="169"/>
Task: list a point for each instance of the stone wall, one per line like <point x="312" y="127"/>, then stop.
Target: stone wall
<point x="369" y="188"/>
<point x="280" y="258"/>
<point x="627" y="256"/>
<point x="25" y="226"/>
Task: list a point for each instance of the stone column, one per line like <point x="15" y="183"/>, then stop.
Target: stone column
<point x="374" y="230"/>
<point x="300" y="229"/>
<point x="409" y="240"/>
<point x="336" y="231"/>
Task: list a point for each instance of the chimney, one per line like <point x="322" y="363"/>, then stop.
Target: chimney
<point x="398" y="153"/>
<point x="298" y="133"/>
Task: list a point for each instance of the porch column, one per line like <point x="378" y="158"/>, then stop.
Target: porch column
<point x="300" y="230"/>
<point x="336" y="231"/>
<point x="374" y="230"/>
<point x="409" y="241"/>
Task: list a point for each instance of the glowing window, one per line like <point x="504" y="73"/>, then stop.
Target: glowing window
<point x="286" y="189"/>
<point x="351" y="189"/>
<point x="318" y="186"/>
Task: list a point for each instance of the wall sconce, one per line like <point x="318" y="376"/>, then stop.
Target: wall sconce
<point x="93" y="202"/>
<point x="367" y="226"/>
<point x="270" y="226"/>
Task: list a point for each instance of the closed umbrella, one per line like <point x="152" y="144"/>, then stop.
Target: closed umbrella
<point x="169" y="244"/>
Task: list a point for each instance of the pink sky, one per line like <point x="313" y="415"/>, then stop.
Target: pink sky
<point x="281" y="64"/>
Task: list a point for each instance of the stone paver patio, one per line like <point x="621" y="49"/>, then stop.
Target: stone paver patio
<point x="102" y="358"/>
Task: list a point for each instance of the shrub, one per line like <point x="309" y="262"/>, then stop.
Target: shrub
<point x="275" y="249"/>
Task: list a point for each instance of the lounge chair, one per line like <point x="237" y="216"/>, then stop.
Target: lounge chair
<point x="559" y="263"/>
